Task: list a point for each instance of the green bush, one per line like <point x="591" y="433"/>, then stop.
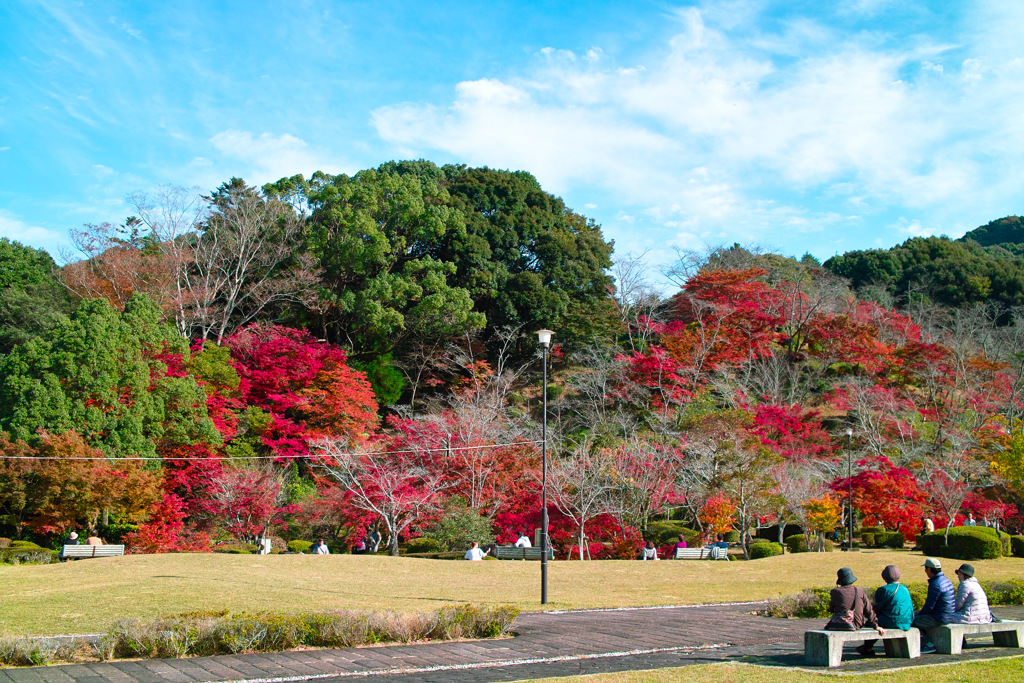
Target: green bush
<point x="423" y="544"/>
<point x="5" y="542"/>
<point x="555" y="391"/>
<point x="237" y="548"/>
<point x="299" y="546"/>
<point x="732" y="536"/>
<point x="459" y="526"/>
<point x="771" y="533"/>
<point x="868" y="538"/>
<point x="796" y="543"/>
<point x="764" y="549"/>
<point x="809" y="604"/>
<point x="1017" y="545"/>
<point x="965" y="543"/>
<point x="444" y="555"/>
<point x="667" y="532"/>
<point x="114" y="533"/>
<point x="26" y="552"/>
<point x="895" y="540"/>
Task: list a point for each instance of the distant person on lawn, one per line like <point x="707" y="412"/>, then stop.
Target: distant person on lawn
<point x="850" y="609"/>
<point x="893" y="607"/>
<point x="474" y="553"/>
<point x="940" y="603"/>
<point x="681" y="543"/>
<point x="321" y="548"/>
<point x="649" y="552"/>
<point x="523" y="541"/>
<point x="971" y="601"/>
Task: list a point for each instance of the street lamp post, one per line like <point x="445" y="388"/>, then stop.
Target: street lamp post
<point x="849" y="482"/>
<point x="544" y="337"/>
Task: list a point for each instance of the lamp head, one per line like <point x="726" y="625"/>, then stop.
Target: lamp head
<point x="544" y="337"/>
<point x="849" y="432"/>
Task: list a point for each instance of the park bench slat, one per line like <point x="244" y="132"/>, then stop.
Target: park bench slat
<point x="511" y="552"/>
<point x="949" y="638"/>
<point x="81" y="551"/>
<point x="702" y="553"/>
<point x="825" y="648"/>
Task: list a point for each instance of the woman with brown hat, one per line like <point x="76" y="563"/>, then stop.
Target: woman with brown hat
<point x="849" y="605"/>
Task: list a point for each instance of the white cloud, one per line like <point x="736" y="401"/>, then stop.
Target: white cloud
<point x="17" y="230"/>
<point x="265" y="157"/>
<point x="713" y="131"/>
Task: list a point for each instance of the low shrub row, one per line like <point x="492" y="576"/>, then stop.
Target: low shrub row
<point x="812" y="603"/>
<point x="761" y="548"/>
<point x="965" y="543"/>
<point x="212" y="633"/>
<point x="26" y="552"/>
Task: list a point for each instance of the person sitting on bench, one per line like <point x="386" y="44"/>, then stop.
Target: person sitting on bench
<point x="971" y="601"/>
<point x="893" y="607"/>
<point x="849" y="606"/>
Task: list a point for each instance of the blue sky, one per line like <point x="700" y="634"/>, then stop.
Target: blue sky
<point x="800" y="126"/>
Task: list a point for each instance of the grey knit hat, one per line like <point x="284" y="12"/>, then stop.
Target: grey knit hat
<point x="891" y="574"/>
<point x="845" y="576"/>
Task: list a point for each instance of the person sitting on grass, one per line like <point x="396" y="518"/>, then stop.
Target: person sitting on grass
<point x="939" y="604"/>
<point x="320" y="548"/>
<point x="523" y="541"/>
<point x="648" y="552"/>
<point x="893" y="607"/>
<point x="971" y="601"/>
<point x="474" y="553"/>
<point x="849" y="606"/>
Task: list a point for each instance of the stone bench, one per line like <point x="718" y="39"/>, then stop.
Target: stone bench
<point x="702" y="554"/>
<point x="949" y="638"/>
<point x="825" y="648"/>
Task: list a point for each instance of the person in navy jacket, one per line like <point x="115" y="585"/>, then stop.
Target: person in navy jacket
<point x="941" y="601"/>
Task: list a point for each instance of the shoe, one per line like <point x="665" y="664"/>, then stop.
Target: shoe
<point x="866" y="652"/>
<point x="928" y="648"/>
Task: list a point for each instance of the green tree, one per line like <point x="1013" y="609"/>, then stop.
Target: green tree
<point x="32" y="300"/>
<point x="98" y="373"/>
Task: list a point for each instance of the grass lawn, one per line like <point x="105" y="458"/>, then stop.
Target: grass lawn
<point x="85" y="596"/>
<point x="1004" y="670"/>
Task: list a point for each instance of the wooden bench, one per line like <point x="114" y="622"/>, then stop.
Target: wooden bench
<point x="825" y="648"/>
<point x="949" y="638"/>
<point x="512" y="552"/>
<point x="79" y="551"/>
<point x="702" y="553"/>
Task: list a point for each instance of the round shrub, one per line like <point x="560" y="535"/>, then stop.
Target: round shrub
<point x="299" y="546"/>
<point x="796" y="543"/>
<point x="868" y="538"/>
<point x="236" y="548"/>
<point x="965" y="543"/>
<point x="555" y="391"/>
<point x="764" y="549"/>
<point x="895" y="540"/>
<point x="423" y="544"/>
<point x="732" y="536"/>
<point x="1017" y="546"/>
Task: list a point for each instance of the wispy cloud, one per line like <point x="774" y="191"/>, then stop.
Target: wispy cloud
<point x="18" y="230"/>
<point x="267" y="157"/>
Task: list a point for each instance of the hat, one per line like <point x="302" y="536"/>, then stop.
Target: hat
<point x="932" y="563"/>
<point x="73" y="535"/>
<point x="966" y="570"/>
<point x="845" y="576"/>
<point x="891" y="574"/>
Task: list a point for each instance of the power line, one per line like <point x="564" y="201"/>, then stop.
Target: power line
<point x="270" y="457"/>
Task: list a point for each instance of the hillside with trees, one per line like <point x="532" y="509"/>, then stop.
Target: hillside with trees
<point x="344" y="355"/>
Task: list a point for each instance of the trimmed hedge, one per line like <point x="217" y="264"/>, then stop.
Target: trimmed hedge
<point x="237" y="548"/>
<point x="796" y="543"/>
<point x="423" y="544"/>
<point x="868" y="538"/>
<point x="299" y="546"/>
<point x="731" y="536"/>
<point x="1017" y="545"/>
<point x="26" y="552"/>
<point x="965" y="543"/>
<point x="764" y="549"/>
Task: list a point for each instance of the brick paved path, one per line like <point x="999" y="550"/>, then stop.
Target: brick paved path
<point x="547" y="644"/>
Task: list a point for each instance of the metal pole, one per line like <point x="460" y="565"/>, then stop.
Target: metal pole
<point x="544" y="490"/>
<point x="849" y="481"/>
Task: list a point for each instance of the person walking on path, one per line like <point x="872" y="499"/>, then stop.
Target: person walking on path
<point x="940" y="602"/>
<point x="971" y="601"/>
<point x="893" y="607"/>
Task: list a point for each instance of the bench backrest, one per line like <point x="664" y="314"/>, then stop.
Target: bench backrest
<point x="92" y="551"/>
<point x="511" y="552"/>
<point x="701" y="553"/>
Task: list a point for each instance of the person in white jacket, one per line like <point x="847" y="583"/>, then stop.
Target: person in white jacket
<point x="971" y="601"/>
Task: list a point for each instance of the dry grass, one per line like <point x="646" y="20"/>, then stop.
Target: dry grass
<point x="88" y="595"/>
<point x="1000" y="671"/>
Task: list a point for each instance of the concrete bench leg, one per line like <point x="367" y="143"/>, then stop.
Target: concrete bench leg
<point x="947" y="642"/>
<point x="820" y="650"/>
<point x="1008" y="638"/>
<point x="904" y="648"/>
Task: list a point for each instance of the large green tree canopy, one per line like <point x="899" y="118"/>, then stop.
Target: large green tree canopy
<point x="411" y="250"/>
<point x="32" y="300"/>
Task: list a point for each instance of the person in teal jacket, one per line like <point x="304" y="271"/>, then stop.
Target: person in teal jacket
<point x="893" y="607"/>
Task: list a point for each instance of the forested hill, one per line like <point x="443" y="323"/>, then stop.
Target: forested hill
<point x="986" y="264"/>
